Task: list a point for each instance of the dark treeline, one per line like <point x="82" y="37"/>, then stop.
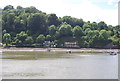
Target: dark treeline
<point x="32" y="27"/>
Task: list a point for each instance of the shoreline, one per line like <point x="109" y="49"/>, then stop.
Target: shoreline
<point x="89" y="50"/>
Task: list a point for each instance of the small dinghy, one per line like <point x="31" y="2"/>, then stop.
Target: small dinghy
<point x="113" y="53"/>
<point x="69" y="51"/>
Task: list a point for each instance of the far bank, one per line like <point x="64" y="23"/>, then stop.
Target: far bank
<point x="89" y="50"/>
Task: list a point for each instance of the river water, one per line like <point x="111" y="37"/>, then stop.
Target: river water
<point x="59" y="65"/>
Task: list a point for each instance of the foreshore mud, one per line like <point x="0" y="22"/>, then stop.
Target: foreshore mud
<point x="60" y="50"/>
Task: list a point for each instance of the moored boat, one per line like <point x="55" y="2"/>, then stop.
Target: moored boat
<point x="113" y="53"/>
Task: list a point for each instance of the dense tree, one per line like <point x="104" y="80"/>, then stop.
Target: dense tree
<point x="19" y="7"/>
<point x="31" y="9"/>
<point x="20" y="38"/>
<point x="104" y="34"/>
<point x="116" y="41"/>
<point x="49" y="38"/>
<point x="65" y="30"/>
<point x="29" y="40"/>
<point x="85" y="26"/>
<point x="7" y="39"/>
<point x="101" y="38"/>
<point x="19" y="25"/>
<point x="8" y="7"/>
<point x="77" y="31"/>
<point x="73" y="21"/>
<point x="18" y="42"/>
<point x="94" y="26"/>
<point x="40" y="39"/>
<point x="52" y="30"/>
<point x="31" y="27"/>
<point x="37" y="23"/>
<point x="102" y="25"/>
<point x="53" y="20"/>
<point x="8" y="21"/>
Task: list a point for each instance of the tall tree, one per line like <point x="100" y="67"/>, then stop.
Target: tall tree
<point x="53" y="20"/>
<point x="77" y="31"/>
<point x="8" y="7"/>
<point x="73" y="21"/>
<point x="65" y="30"/>
<point x="19" y="7"/>
<point x="7" y="38"/>
<point x="52" y="30"/>
<point x="20" y="38"/>
<point x="37" y="23"/>
<point x="40" y="39"/>
<point x="102" y="25"/>
<point x="31" y="9"/>
<point x="29" y="40"/>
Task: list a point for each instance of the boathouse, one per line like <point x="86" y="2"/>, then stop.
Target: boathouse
<point x="71" y="44"/>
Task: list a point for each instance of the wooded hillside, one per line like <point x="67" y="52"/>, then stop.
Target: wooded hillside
<point x="32" y="27"/>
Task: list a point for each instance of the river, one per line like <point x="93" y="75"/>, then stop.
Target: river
<point x="59" y="65"/>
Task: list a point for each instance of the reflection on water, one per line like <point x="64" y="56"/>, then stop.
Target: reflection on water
<point x="46" y="55"/>
<point x="59" y="65"/>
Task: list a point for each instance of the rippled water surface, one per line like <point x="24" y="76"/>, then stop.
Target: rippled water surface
<point x="59" y="65"/>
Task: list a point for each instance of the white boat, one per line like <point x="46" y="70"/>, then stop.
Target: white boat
<point x="113" y="53"/>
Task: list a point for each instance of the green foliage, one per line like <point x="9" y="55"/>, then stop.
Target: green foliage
<point x="65" y="30"/>
<point x="19" y="7"/>
<point x="85" y="26"/>
<point x="29" y="40"/>
<point x="116" y="41"/>
<point x="52" y="29"/>
<point x="73" y="21"/>
<point x="53" y="20"/>
<point x="31" y="9"/>
<point x="37" y="23"/>
<point x="7" y="38"/>
<point x="30" y="26"/>
<point x="40" y="39"/>
<point x="102" y="25"/>
<point x="18" y="42"/>
<point x="49" y="38"/>
<point x="8" y="21"/>
<point x="77" y="31"/>
<point x="8" y="7"/>
<point x="19" y="25"/>
<point x="20" y="38"/>
<point x="104" y="34"/>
